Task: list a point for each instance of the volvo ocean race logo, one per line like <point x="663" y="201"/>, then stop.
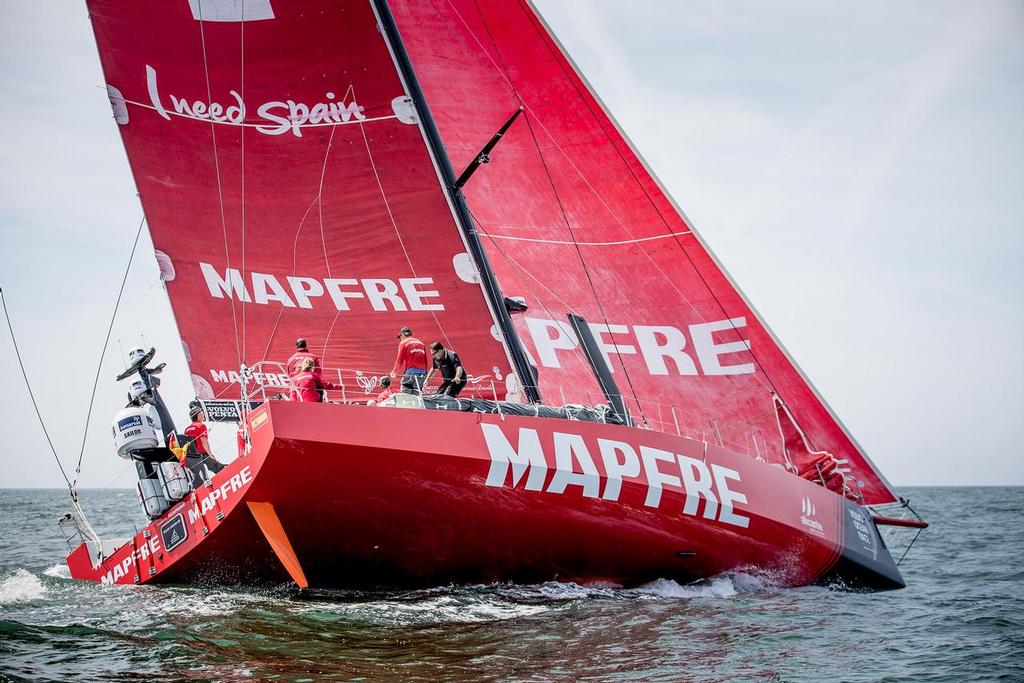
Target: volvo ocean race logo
<point x="867" y="539"/>
<point x="281" y="116"/>
<point x="808" y="519"/>
<point x="366" y="383"/>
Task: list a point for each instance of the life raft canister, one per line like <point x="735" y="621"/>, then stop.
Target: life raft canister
<point x="134" y="429"/>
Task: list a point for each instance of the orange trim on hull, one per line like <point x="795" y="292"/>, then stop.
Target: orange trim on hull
<point x="270" y="525"/>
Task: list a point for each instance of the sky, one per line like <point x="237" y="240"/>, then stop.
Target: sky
<point x="857" y="167"/>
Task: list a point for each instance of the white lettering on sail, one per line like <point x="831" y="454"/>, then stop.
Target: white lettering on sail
<point x="282" y="116"/>
<point x="231" y="284"/>
<point x="382" y="294"/>
<point x="655" y="353"/>
<point x="608" y="348"/>
<point x="656" y="343"/>
<point x="708" y="351"/>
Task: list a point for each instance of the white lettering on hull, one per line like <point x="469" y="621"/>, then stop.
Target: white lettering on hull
<point x="526" y="464"/>
<point x="195" y="513"/>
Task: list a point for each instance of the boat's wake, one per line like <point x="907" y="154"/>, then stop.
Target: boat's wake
<point x="20" y="585"/>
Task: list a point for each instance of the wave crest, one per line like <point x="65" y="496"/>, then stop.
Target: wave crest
<point x="21" y="586"/>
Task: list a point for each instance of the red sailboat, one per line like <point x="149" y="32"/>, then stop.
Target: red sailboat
<point x="628" y="417"/>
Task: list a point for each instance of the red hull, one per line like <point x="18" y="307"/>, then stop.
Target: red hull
<point x="386" y="496"/>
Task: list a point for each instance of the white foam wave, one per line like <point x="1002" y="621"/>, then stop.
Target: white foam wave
<point x="58" y="571"/>
<point x="21" y="586"/>
<point x="442" y="609"/>
<point x="718" y="587"/>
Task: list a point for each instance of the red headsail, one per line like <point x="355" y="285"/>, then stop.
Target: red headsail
<point x="575" y="222"/>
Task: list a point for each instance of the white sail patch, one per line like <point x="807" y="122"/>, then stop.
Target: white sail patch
<point x="293" y="291"/>
<point x="661" y="346"/>
<point x="231" y="10"/>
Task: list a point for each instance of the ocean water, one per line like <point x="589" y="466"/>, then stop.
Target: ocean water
<point x="960" y="618"/>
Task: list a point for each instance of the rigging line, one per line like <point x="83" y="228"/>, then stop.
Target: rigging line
<point x="28" y="385"/>
<point x="586" y="270"/>
<point x="320" y="204"/>
<point x="561" y="207"/>
<point x="569" y="160"/>
<point x="582" y="244"/>
<point x="298" y="230"/>
<point x="579" y="354"/>
<point x="398" y="233"/>
<point x="103" y="352"/>
<point x="647" y="195"/>
<point x="770" y="385"/>
<point x="220" y="189"/>
<point x="241" y="173"/>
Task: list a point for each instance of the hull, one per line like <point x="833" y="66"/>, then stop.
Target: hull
<point x="352" y="496"/>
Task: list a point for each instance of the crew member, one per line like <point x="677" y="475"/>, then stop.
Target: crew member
<point x="301" y="354"/>
<point x="411" y="362"/>
<point x="199" y="454"/>
<point x="452" y="372"/>
<point x="388" y="392"/>
<point x="307" y="383"/>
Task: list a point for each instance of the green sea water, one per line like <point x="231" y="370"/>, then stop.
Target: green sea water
<point x="960" y="618"/>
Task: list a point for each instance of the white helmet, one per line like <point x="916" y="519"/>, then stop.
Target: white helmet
<point x="137" y="388"/>
<point x="135" y="354"/>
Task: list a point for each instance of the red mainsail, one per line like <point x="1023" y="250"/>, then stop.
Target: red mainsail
<point x="288" y="189"/>
<point x="574" y="221"/>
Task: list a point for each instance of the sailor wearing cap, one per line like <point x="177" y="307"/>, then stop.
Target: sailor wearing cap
<point x="302" y="352"/>
<point x="411" y="362"/>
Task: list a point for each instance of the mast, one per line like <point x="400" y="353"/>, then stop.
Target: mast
<point x="492" y="289"/>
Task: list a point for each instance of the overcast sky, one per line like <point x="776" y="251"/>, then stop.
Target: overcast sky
<point x="856" y="166"/>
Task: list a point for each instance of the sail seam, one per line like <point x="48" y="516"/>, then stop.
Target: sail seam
<point x="583" y="244"/>
<point x="561" y="206"/>
<point x="394" y="224"/>
<point x="558" y="58"/>
<point x="220" y="189"/>
<point x="568" y="158"/>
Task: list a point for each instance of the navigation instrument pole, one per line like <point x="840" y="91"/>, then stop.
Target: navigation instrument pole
<point x="491" y="287"/>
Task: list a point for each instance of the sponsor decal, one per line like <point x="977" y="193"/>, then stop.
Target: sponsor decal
<point x="224" y="411"/>
<point x="376" y="294"/>
<point x="222" y="493"/>
<point x="807" y="518"/>
<point x="143" y="552"/>
<point x="129" y="422"/>
<point x="662" y="347"/>
<point x="259" y="420"/>
<point x="864" y="532"/>
<point x="707" y="488"/>
<point x="173" y="532"/>
<point x="367" y="383"/>
<point x="281" y="116"/>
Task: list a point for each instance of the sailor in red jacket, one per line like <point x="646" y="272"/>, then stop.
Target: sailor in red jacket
<point x="301" y="354"/>
<point x="411" y="362"/>
<point x="388" y="391"/>
<point x="198" y="454"/>
<point x="308" y="382"/>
